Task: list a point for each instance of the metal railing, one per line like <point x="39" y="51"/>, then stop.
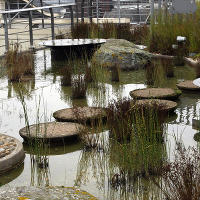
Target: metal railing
<point x="39" y="16"/>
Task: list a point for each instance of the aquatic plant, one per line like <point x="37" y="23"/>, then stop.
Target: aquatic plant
<point x="66" y="75"/>
<point x="79" y="87"/>
<point x="18" y="63"/>
<point x="38" y="147"/>
<point x="181" y="177"/>
<point x="138" y="134"/>
<point x="111" y="30"/>
<point x="156" y="73"/>
<point x="167" y="27"/>
<point x="115" y="72"/>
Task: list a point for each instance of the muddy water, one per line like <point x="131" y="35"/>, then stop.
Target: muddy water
<point x="69" y="165"/>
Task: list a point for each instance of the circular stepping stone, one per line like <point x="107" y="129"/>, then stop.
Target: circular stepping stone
<point x="188" y="85"/>
<point x="52" y="131"/>
<point x="162" y="105"/>
<point x="11" y="153"/>
<point x="156" y="93"/>
<point x="80" y="114"/>
<point x="46" y="193"/>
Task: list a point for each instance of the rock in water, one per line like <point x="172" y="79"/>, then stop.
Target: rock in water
<point x="122" y="52"/>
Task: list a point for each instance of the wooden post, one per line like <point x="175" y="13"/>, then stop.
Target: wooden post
<point x="52" y="24"/>
<point x="72" y="17"/>
<point x="30" y="29"/>
<point x="6" y="31"/>
<point x="41" y="3"/>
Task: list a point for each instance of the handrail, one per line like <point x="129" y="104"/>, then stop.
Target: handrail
<point x="19" y="11"/>
<point x="38" y="8"/>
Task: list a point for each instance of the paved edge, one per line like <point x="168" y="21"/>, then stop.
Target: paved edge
<point x="14" y="159"/>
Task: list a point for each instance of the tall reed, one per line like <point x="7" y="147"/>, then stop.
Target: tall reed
<point x="168" y="26"/>
<point x="181" y="177"/>
<point x="18" y="63"/>
<point x="138" y="134"/>
<point x="107" y="30"/>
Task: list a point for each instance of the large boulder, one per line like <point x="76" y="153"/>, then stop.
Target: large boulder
<point x="122" y="52"/>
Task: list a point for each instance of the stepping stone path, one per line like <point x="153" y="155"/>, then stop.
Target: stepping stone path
<point x="163" y="105"/>
<point x="80" y="114"/>
<point x="188" y="85"/>
<point x="11" y="153"/>
<point x="156" y="93"/>
<point x="52" y="131"/>
<point x="45" y="193"/>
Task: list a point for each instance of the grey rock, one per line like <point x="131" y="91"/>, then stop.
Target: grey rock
<point x="122" y="52"/>
<point x="45" y="193"/>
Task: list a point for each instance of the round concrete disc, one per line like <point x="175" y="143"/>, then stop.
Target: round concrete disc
<point x="80" y="114"/>
<point x="45" y="193"/>
<point x="188" y="85"/>
<point x="163" y="105"/>
<point x="11" y="153"/>
<point x="52" y="131"/>
<point x="155" y="93"/>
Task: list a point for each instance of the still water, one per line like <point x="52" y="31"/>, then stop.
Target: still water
<point x="69" y="165"/>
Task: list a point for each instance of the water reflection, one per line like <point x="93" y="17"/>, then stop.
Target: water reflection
<point x="92" y="171"/>
<point x="11" y="175"/>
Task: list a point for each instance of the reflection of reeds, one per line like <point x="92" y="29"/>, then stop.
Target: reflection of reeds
<point x="38" y="147"/>
<point x="18" y="63"/>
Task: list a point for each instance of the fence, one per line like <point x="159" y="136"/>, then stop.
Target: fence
<point x="32" y="21"/>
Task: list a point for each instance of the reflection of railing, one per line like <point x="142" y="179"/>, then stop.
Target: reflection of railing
<point x="30" y="21"/>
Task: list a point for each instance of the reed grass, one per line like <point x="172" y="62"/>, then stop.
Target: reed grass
<point x="18" y="63"/>
<point x="168" y="26"/>
<point x="138" y="134"/>
<point x="111" y="30"/>
<point x="38" y="147"/>
<point x="79" y="87"/>
<point x="181" y="177"/>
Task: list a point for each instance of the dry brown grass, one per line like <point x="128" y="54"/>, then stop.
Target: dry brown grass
<point x="18" y="63"/>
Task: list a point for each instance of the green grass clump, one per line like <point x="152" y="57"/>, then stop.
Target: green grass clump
<point x="138" y="135"/>
<point x="168" y="26"/>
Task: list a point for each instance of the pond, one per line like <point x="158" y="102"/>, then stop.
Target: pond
<point x="70" y="165"/>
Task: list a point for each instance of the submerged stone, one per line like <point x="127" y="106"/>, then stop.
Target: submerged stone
<point x="52" y="131"/>
<point x="45" y="193"/>
<point x="156" y="93"/>
<point x="123" y="53"/>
